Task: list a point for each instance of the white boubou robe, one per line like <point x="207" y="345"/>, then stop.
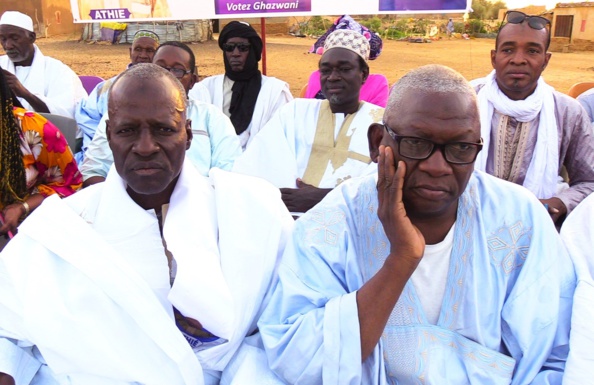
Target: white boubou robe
<point x="85" y="294"/>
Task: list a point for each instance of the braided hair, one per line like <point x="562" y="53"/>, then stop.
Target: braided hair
<point x="13" y="182"/>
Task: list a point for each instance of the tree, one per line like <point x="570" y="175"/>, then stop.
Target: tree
<point x="486" y="9"/>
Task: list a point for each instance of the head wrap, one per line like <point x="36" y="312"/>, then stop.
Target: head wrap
<point x="348" y="39"/>
<point x="247" y="83"/>
<point x="13" y="181"/>
<point x="17" y="19"/>
<point x="346" y="22"/>
<point x="145" y="33"/>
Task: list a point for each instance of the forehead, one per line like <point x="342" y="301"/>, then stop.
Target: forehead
<point x="237" y="40"/>
<point x="12" y="30"/>
<point x="434" y="113"/>
<point x="338" y="56"/>
<point x="169" y="53"/>
<point x="130" y="92"/>
<point x="521" y="34"/>
<point x="144" y="42"/>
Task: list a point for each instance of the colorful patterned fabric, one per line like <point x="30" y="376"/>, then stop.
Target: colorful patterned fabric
<point x="346" y="22"/>
<point x="49" y="163"/>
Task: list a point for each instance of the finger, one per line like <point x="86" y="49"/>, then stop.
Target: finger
<point x="399" y="183"/>
<point x="380" y="166"/>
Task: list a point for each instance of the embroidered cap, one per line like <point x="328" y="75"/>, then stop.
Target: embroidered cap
<point x="145" y="33"/>
<point x="17" y="19"/>
<point x="349" y="39"/>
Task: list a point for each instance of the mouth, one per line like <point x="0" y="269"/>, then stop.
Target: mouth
<point x="517" y="75"/>
<point x="12" y="53"/>
<point x="147" y="169"/>
<point x="431" y="192"/>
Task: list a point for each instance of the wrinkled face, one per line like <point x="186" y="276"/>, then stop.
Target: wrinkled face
<point x="519" y="59"/>
<point x="174" y="58"/>
<point x="341" y="76"/>
<point x="143" y="50"/>
<point x="148" y="135"/>
<point x="17" y="43"/>
<point x="432" y="186"/>
<point x="236" y="57"/>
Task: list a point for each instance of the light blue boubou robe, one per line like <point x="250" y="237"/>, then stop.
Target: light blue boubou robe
<point x="504" y="319"/>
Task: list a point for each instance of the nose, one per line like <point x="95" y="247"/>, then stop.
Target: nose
<point x="334" y="74"/>
<point x="518" y="57"/>
<point x="145" y="145"/>
<point x="436" y="165"/>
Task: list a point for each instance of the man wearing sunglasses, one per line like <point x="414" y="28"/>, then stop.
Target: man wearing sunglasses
<point x="428" y="272"/>
<point x="215" y="143"/>
<point x="530" y="130"/>
<point x="246" y="96"/>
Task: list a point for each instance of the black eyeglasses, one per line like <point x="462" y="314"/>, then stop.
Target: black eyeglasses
<point x="517" y="17"/>
<point x="416" y="148"/>
<point x="242" y="47"/>
<point x="177" y="72"/>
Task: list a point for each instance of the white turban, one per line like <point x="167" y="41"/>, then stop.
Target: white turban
<point x="17" y="19"/>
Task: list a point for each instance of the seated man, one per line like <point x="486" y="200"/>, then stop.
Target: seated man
<point x="530" y="130"/>
<point x="41" y="83"/>
<point x="141" y="279"/>
<point x="428" y="272"/>
<point x="90" y="111"/>
<point x="215" y="143"/>
<point x="310" y="146"/>
<point x="246" y="96"/>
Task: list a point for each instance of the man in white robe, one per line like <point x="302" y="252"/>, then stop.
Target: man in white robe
<point x="429" y="272"/>
<point x="247" y="97"/>
<point x="143" y="278"/>
<point x="215" y="143"/>
<point x="41" y="83"/>
<point x="531" y="131"/>
<point x="311" y="146"/>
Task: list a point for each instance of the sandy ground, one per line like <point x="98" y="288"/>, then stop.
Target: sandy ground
<point x="287" y="59"/>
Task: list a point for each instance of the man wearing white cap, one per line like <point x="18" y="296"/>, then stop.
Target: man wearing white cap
<point x="41" y="83"/>
<point x="311" y="146"/>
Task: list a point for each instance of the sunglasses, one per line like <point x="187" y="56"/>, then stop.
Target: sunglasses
<point x="230" y="47"/>
<point x="517" y="17"/>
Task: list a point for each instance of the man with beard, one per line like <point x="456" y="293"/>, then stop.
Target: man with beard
<point x="246" y="96"/>
<point x="41" y="83"/>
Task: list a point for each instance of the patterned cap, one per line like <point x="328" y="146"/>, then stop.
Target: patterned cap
<point x="349" y="39"/>
<point x="145" y="33"/>
<point x="17" y="19"/>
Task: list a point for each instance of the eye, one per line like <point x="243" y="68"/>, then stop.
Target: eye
<point x="345" y="69"/>
<point x="460" y="147"/>
<point x="124" y="131"/>
<point x="325" y="71"/>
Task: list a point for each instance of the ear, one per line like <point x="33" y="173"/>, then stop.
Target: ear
<point x="493" y="54"/>
<point x="547" y="58"/>
<point x="107" y="130"/>
<point x="375" y="134"/>
<point x="32" y="37"/>
<point x="365" y="75"/>
<point x="189" y="133"/>
<point x="130" y="53"/>
<point x="193" y="80"/>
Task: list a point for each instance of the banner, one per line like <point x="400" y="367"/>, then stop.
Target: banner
<point x="85" y="11"/>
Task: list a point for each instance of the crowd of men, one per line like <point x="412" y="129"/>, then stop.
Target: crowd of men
<point x="230" y="234"/>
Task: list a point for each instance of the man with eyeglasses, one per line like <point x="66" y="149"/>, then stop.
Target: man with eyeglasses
<point x="215" y="143"/>
<point x="246" y="96"/>
<point x="429" y="272"/>
<point x="530" y="130"/>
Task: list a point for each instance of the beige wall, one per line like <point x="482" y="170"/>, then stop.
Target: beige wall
<point x="53" y="14"/>
<point x="579" y="14"/>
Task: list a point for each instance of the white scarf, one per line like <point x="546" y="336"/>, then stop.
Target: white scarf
<point x="541" y="176"/>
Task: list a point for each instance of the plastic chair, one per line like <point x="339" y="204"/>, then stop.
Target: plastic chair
<point x="89" y="82"/>
<point x="67" y="126"/>
<point x="578" y="88"/>
<point x="303" y="91"/>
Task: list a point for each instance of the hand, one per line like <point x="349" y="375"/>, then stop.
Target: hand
<point x="406" y="241"/>
<point x="556" y="208"/>
<point x="5" y="379"/>
<point x="302" y="198"/>
<point x="12" y="214"/>
<point x="15" y="85"/>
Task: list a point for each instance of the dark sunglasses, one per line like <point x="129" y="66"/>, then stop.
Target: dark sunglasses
<point x="517" y="17"/>
<point x="230" y="47"/>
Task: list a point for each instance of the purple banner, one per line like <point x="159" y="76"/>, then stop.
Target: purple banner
<point x="229" y="7"/>
<point x="109" y="14"/>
